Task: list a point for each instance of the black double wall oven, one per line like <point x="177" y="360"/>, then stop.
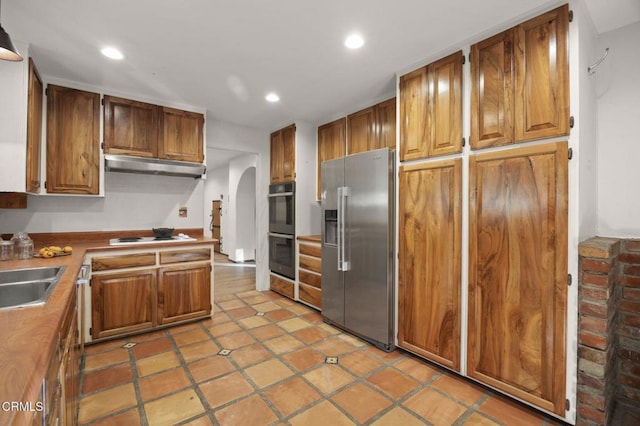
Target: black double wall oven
<point x="282" y="226"/>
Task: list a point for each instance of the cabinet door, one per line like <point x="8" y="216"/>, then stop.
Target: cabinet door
<point x="181" y="135"/>
<point x="386" y="124"/>
<point x="73" y="141"/>
<point x="429" y="260"/>
<point x="130" y="127"/>
<point x="277" y="154"/>
<point x="184" y="292"/>
<point x="289" y="153"/>
<point x="331" y="144"/>
<point x="542" y="76"/>
<point x="414" y="90"/>
<point x="123" y="303"/>
<point x="445" y="105"/>
<point x="34" y="128"/>
<point x="361" y="132"/>
<point x="70" y="375"/>
<point x="492" y="91"/>
<point x="518" y="272"/>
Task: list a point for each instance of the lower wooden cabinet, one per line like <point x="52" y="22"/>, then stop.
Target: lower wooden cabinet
<point x="184" y="292"/>
<point x="143" y="290"/>
<point x="123" y="303"/>
<point x="430" y="213"/>
<point x="283" y="286"/>
<point x="518" y="213"/>
<point x="309" y="272"/>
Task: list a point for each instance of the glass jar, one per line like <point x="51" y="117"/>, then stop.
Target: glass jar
<point x="6" y="250"/>
<point x="23" y="245"/>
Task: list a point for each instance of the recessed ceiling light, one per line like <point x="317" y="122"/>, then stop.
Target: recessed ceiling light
<point x="354" y="41"/>
<point x="272" y="97"/>
<point x="112" y="52"/>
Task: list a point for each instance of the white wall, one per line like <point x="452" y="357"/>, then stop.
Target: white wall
<point x="225" y="135"/>
<point x="618" y="89"/>
<point x="235" y="240"/>
<point x="132" y="201"/>
<point x="307" y="208"/>
<point x="245" y="205"/>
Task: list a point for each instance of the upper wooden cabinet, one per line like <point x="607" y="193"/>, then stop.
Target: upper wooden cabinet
<point x="431" y="109"/>
<point x="35" y="99"/>
<point x="518" y="216"/>
<point x="181" y="135"/>
<point x="332" y="142"/>
<point x="73" y="141"/>
<point x="429" y="261"/>
<point x="283" y="155"/>
<point x="520" y="82"/>
<point x="130" y="127"/>
<point x="372" y="128"/>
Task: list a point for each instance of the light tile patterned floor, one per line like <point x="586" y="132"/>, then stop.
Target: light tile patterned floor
<point x="276" y="374"/>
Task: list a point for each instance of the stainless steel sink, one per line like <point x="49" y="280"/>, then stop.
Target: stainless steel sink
<point x="27" y="287"/>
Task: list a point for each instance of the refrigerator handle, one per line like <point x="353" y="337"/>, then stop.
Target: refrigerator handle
<point x="339" y="226"/>
<point x="343" y="194"/>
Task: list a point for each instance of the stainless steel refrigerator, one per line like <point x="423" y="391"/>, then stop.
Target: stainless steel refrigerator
<point x="357" y="245"/>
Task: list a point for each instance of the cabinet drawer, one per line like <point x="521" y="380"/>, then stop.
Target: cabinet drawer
<point x="310" y="278"/>
<point x="310" y="295"/>
<point x="282" y="286"/>
<point x="311" y="250"/>
<point x="119" y="262"/>
<point x="178" y="256"/>
<point x="311" y="263"/>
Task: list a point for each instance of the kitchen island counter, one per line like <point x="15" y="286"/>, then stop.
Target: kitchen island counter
<point x="30" y="335"/>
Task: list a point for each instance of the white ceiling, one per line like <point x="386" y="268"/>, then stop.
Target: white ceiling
<point x="226" y="55"/>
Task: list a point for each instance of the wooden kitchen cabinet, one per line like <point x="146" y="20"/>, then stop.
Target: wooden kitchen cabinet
<point x="34" y="128"/>
<point x="520" y="82"/>
<point x="146" y="289"/>
<point x="310" y="272"/>
<point x="130" y="127"/>
<point x="282" y="285"/>
<point x="181" y="135"/>
<point x="429" y="262"/>
<point x="69" y="374"/>
<point x="431" y="109"/>
<point x="283" y="155"/>
<point x="73" y="141"/>
<point x="184" y="292"/>
<point x="123" y="302"/>
<point x="518" y="272"/>
<point x="332" y="142"/>
<point x="372" y="128"/>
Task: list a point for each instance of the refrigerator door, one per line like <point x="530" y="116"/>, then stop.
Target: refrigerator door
<point x="332" y="278"/>
<point x="368" y="247"/>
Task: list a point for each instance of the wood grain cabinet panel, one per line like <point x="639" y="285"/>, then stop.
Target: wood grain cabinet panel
<point x="518" y="272"/>
<point x="431" y="109"/>
<point x="130" y="127"/>
<point x="429" y="260"/>
<point x="361" y="131"/>
<point x="35" y="99"/>
<point x="386" y="124"/>
<point x="123" y="303"/>
<point x="184" y="292"/>
<point x="542" y="76"/>
<point x="282" y="286"/>
<point x="492" y="88"/>
<point x="105" y="263"/>
<point x="73" y="141"/>
<point x="520" y="82"/>
<point x="283" y="155"/>
<point x="178" y="256"/>
<point x="311" y="295"/>
<point x="332" y="143"/>
<point x="414" y="92"/>
<point x="181" y="135"/>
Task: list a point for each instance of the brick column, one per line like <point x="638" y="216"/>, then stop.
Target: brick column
<point x="628" y="329"/>
<point x="596" y="331"/>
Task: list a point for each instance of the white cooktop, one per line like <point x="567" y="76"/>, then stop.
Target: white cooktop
<point x="149" y="240"/>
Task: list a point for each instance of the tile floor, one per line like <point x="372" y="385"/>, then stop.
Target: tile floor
<point x="261" y="359"/>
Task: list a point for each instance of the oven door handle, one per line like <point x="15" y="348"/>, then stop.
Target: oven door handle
<point x="287" y="236"/>
<point x="281" y="194"/>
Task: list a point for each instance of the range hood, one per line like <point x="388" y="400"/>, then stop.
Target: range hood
<point x="154" y="166"/>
